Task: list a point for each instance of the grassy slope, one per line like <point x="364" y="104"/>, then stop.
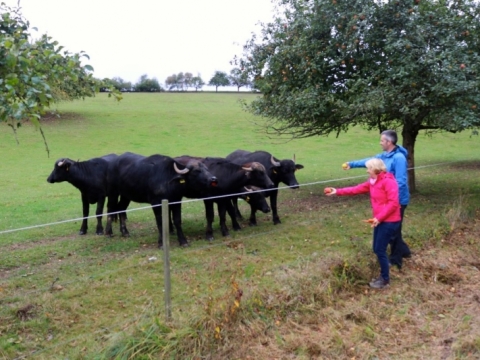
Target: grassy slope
<point x="105" y="285"/>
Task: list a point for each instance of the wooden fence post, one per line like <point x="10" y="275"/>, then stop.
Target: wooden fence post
<point x="166" y="259"/>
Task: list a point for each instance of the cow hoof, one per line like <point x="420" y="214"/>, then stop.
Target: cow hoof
<point x="209" y="238"/>
<point x="99" y="233"/>
<point x="185" y="245"/>
<point x="81" y="232"/>
<point x="276" y="222"/>
<point x="252" y="224"/>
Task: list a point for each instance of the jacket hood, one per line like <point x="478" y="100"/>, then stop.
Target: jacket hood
<point x="384" y="175"/>
<point x="399" y="149"/>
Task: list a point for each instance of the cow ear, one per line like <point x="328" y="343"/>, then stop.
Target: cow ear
<point x="298" y="166"/>
<point x="180" y="179"/>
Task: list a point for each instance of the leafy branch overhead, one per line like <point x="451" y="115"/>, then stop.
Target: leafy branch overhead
<point x="34" y="74"/>
<point x="326" y="65"/>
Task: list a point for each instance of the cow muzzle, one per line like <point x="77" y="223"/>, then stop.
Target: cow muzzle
<point x="213" y="181"/>
<point x="294" y="186"/>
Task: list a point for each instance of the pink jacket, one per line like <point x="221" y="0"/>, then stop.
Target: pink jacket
<point x="383" y="196"/>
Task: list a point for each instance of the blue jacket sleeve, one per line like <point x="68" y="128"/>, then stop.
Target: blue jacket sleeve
<point x="361" y="162"/>
<point x="399" y="169"/>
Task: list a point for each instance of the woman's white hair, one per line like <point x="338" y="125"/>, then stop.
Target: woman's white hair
<point x="376" y="165"/>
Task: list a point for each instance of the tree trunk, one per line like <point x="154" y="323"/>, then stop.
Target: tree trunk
<point x="409" y="137"/>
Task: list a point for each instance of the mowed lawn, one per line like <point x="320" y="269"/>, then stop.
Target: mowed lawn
<point x="79" y="286"/>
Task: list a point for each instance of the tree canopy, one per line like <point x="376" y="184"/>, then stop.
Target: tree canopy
<point x="197" y="82"/>
<point x="220" y="78"/>
<point x="326" y="65"/>
<point x="120" y="84"/>
<point x="239" y="78"/>
<point x="145" y="84"/>
<point x="180" y="82"/>
<point x="34" y="74"/>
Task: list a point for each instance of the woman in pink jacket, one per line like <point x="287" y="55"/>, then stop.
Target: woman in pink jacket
<point x="383" y="190"/>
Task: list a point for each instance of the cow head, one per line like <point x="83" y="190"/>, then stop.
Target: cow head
<point x="284" y="171"/>
<point x="257" y="175"/>
<point x="255" y="197"/>
<point x="60" y="171"/>
<point x="195" y="174"/>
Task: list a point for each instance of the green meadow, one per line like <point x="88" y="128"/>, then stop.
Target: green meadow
<point x="297" y="290"/>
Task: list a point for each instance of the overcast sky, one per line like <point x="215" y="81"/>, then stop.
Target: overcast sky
<point x="155" y="37"/>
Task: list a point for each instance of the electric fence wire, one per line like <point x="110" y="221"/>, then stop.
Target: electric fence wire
<point x="202" y="199"/>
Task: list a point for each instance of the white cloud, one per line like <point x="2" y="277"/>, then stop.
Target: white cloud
<point x="130" y="38"/>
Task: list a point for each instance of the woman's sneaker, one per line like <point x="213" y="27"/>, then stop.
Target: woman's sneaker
<point x="379" y="283"/>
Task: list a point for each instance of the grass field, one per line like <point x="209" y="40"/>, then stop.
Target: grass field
<point x="296" y="290"/>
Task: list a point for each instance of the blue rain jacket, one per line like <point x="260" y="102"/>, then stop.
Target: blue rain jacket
<point x="396" y="163"/>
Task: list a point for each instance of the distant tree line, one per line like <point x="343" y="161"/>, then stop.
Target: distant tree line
<point x="144" y="84"/>
<point x="182" y="82"/>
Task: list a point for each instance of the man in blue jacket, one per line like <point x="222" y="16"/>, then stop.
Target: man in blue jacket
<point x="395" y="158"/>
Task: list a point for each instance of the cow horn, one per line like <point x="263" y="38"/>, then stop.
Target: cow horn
<point x="246" y="188"/>
<point x="247" y="168"/>
<point x="275" y="163"/>
<point x="294" y="158"/>
<point x="184" y="171"/>
<point x="60" y="163"/>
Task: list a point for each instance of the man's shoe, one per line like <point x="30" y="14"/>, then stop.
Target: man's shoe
<point x="379" y="283"/>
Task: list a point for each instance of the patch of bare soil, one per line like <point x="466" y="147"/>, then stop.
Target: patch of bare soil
<point x="466" y="165"/>
<point x="53" y="117"/>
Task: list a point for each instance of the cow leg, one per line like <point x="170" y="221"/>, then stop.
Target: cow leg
<point x="253" y="219"/>
<point x="231" y="212"/>
<point x="222" y="214"/>
<point x="110" y="218"/>
<point x="170" y="223"/>
<point x="177" y="221"/>
<point x="99" y="213"/>
<point x="122" y="206"/>
<point x="273" y="204"/>
<point x="85" y="210"/>
<point x="210" y="216"/>
<point x="235" y="206"/>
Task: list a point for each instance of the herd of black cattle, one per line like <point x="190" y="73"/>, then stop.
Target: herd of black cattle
<point x="150" y="179"/>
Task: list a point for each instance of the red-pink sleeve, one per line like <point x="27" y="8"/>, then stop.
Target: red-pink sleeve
<point x="354" y="190"/>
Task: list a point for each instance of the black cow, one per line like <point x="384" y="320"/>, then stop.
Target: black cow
<point x="232" y="178"/>
<point x="152" y="179"/>
<point x="255" y="197"/>
<point x="90" y="177"/>
<point x="278" y="170"/>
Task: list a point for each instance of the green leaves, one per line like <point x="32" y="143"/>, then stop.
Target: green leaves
<point x="325" y="65"/>
<point x="34" y="74"/>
